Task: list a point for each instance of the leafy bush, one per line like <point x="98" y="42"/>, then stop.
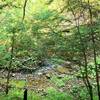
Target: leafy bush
<point x="53" y="94"/>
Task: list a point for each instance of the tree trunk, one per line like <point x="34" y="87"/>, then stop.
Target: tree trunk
<point x="10" y="64"/>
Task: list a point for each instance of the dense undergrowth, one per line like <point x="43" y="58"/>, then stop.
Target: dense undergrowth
<point x="50" y="47"/>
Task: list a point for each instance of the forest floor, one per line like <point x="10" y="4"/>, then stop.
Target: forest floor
<point x="60" y="78"/>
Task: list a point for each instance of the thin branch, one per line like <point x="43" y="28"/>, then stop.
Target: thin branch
<point x="24" y="8"/>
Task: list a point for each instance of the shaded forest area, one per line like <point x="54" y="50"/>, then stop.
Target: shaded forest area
<point x="49" y="49"/>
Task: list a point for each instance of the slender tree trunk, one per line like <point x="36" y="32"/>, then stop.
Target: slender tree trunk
<point x="87" y="82"/>
<point x="86" y="72"/>
<point x="94" y="50"/>
<point x="85" y="64"/>
<point x="10" y="64"/>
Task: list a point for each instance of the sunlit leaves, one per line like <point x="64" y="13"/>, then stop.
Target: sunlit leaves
<point x="44" y="15"/>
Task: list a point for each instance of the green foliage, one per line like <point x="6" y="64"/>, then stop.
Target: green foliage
<point x="80" y="92"/>
<point x="57" y="82"/>
<point x="17" y="94"/>
<point x="44" y="15"/>
<point x="49" y="32"/>
<point x="53" y="94"/>
<point x="14" y="94"/>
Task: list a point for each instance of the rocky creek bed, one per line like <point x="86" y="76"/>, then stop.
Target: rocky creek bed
<point x="59" y="77"/>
